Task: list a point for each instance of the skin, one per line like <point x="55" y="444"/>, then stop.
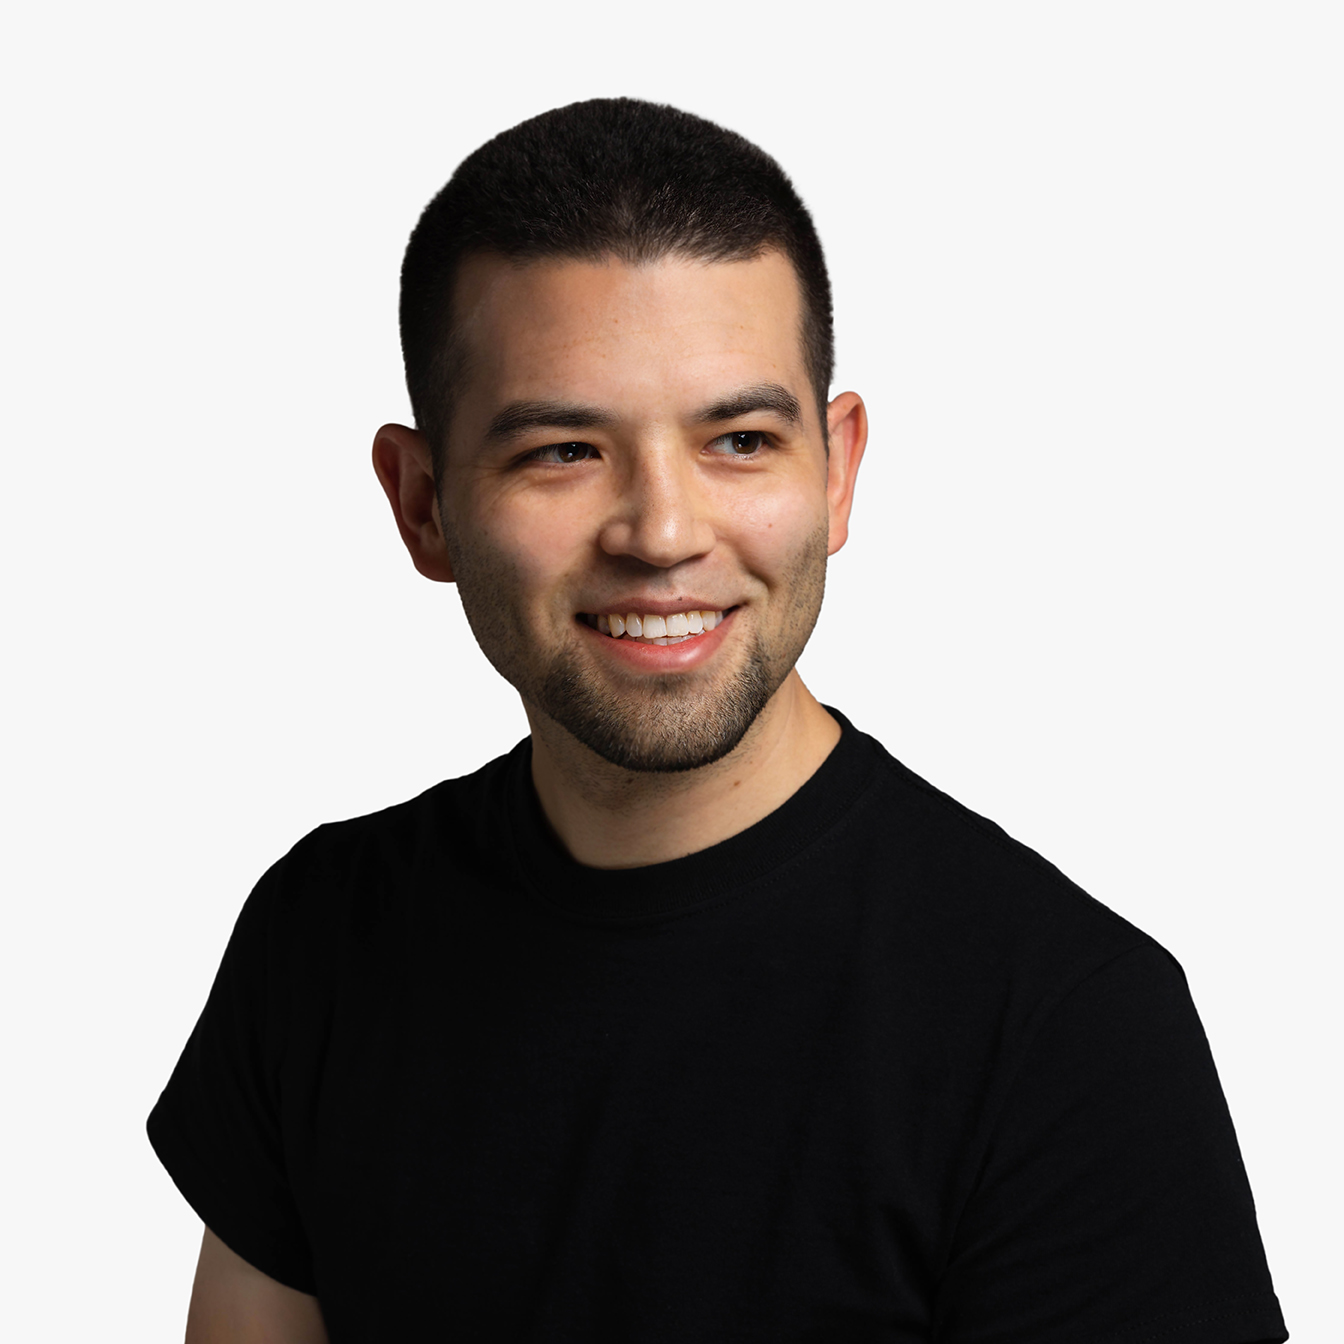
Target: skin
<point x="653" y="508"/>
<point x="640" y="504"/>
<point x="233" y="1303"/>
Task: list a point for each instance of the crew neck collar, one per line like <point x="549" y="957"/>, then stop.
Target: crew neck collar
<point x="659" y="890"/>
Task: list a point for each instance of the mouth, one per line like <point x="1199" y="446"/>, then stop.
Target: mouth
<point x="636" y="627"/>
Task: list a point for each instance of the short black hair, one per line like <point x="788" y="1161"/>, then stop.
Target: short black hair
<point x="610" y="177"/>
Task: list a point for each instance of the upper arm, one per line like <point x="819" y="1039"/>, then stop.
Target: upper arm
<point x="1112" y="1192"/>
<point x="234" y="1303"/>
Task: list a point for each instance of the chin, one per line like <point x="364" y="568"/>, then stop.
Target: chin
<point x="670" y="728"/>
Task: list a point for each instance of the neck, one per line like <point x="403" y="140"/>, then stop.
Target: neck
<point x="608" y="817"/>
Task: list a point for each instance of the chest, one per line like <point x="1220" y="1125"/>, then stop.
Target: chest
<point x="638" y="1138"/>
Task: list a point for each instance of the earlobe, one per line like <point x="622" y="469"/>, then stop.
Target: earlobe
<point x="847" y="420"/>
<point x="403" y="463"/>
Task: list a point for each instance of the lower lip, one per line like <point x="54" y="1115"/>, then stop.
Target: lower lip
<point x="690" y="653"/>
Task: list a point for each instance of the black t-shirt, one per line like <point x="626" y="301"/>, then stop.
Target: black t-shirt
<point x="868" y="1071"/>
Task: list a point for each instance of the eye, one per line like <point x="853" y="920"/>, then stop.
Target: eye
<point x="742" y="443"/>
<point x="562" y="453"/>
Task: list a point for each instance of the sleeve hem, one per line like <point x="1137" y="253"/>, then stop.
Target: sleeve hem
<point x="1251" y="1320"/>
<point x="200" y="1188"/>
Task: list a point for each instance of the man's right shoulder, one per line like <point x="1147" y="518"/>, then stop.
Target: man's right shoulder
<point x="393" y="849"/>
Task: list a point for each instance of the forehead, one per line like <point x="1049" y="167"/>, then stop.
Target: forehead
<point x="642" y="338"/>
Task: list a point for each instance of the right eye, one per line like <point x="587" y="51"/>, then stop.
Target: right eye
<point x="562" y="453"/>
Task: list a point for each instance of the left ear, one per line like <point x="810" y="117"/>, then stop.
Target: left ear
<point x="847" y="421"/>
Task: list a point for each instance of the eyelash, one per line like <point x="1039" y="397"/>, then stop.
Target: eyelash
<point x="763" y="441"/>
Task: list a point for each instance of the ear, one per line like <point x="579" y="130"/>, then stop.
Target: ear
<point x="847" y="421"/>
<point x="405" y="470"/>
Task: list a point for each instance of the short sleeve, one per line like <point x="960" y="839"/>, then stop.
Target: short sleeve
<point x="216" y="1125"/>
<point x="1112" y="1206"/>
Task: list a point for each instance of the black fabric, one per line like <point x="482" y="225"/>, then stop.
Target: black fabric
<point x="868" y="1071"/>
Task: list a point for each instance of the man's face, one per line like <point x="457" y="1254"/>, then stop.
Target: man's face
<point x="637" y="440"/>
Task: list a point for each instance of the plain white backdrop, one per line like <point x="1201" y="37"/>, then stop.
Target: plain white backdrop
<point x="1087" y="265"/>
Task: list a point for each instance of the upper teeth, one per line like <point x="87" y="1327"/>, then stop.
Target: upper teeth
<point x="656" y="629"/>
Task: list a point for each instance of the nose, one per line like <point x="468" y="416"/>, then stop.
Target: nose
<point x="662" y="513"/>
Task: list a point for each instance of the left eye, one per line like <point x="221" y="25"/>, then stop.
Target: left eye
<point x="744" y="443"/>
<point x="563" y="452"/>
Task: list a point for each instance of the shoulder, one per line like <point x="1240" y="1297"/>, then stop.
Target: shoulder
<point x="344" y="873"/>
<point x="455" y="814"/>
<point x="977" y="895"/>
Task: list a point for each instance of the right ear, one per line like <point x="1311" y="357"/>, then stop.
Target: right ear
<point x="401" y="457"/>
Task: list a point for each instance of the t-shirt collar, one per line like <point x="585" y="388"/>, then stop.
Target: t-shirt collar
<point x="636" y="895"/>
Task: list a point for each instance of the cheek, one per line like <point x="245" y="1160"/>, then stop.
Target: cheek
<point x="771" y="528"/>
<point x="529" y="548"/>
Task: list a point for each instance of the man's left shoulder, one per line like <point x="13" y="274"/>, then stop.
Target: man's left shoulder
<point x="957" y="871"/>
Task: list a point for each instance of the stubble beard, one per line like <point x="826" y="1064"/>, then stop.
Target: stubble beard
<point x="669" y="724"/>
<point x="665" y="729"/>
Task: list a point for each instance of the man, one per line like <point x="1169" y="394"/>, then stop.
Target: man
<point x="697" y="1016"/>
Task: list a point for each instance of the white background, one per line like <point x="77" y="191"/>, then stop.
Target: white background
<point x="1087" y="261"/>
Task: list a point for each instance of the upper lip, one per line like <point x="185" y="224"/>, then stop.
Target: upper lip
<point x="653" y="607"/>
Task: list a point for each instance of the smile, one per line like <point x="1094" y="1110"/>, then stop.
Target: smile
<point x="654" y="629"/>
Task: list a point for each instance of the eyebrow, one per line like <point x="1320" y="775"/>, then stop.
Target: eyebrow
<point x="521" y="417"/>
<point x="748" y="400"/>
